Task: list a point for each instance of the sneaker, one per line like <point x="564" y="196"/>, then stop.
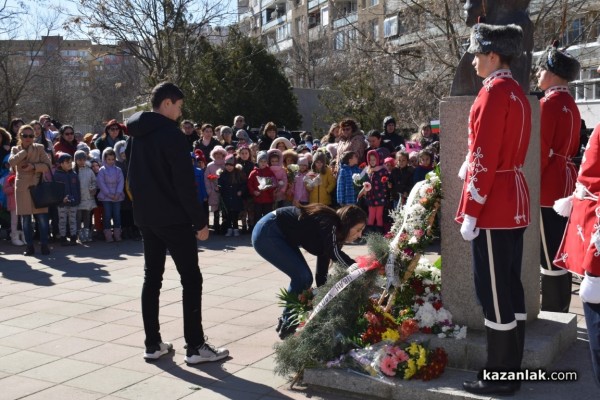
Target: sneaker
<point x="229" y="232"/>
<point x="236" y="232"/>
<point x="155" y="352"/>
<point x="287" y="330"/>
<point x="205" y="353"/>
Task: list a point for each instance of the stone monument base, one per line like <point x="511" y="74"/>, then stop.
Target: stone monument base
<point x="547" y="337"/>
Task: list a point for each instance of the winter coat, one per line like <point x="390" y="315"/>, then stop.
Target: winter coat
<point x="265" y="196"/>
<point x="35" y="154"/>
<point x="87" y="185"/>
<point x="8" y="188"/>
<point x="62" y="146"/>
<point x="322" y="192"/>
<point x="198" y="145"/>
<point x="111" y="182"/>
<point x="379" y="189"/>
<point x="106" y="141"/>
<point x="200" y="185"/>
<point x="300" y="192"/>
<point x="211" y="184"/>
<point x="356" y="143"/>
<point x="346" y="189"/>
<point x="402" y="181"/>
<point x="229" y="189"/>
<point x="72" y="188"/>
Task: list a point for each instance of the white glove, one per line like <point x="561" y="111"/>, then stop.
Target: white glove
<point x="589" y="291"/>
<point x="462" y="172"/>
<point x="468" y="229"/>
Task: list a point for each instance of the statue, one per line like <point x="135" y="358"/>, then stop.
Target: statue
<point x="496" y="12"/>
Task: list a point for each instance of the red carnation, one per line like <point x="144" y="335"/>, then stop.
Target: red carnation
<point x="384" y="179"/>
<point x="361" y="166"/>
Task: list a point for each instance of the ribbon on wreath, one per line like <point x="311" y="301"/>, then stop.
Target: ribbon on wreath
<point x="354" y="272"/>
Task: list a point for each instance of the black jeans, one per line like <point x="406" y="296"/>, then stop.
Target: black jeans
<point x="180" y="241"/>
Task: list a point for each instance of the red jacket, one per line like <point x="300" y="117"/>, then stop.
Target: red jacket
<point x="560" y="125"/>
<point x="576" y="253"/>
<point x="265" y="196"/>
<point x="495" y="191"/>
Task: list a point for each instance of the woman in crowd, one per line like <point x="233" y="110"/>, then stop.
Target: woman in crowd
<point x="31" y="161"/>
<point x="66" y="141"/>
<point x="113" y="132"/>
<point x="40" y="137"/>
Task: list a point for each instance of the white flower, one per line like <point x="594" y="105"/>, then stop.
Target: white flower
<point x="443" y="315"/>
<point x="461" y="333"/>
<point x="413" y="240"/>
<point x="426" y="315"/>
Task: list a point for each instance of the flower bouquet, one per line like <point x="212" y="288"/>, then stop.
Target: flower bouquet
<point x="312" y="179"/>
<point x="265" y="182"/>
<point x="298" y="305"/>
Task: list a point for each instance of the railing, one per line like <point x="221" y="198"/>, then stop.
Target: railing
<point x="345" y="20"/>
<point x="315" y="3"/>
<point x="273" y="23"/>
<point x="315" y="33"/>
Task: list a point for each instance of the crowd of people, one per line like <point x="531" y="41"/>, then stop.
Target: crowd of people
<point x="241" y="175"/>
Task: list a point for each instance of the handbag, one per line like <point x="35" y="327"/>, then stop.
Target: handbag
<point x="46" y="194"/>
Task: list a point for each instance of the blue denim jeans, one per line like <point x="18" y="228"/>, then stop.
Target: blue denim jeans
<point x="592" y="321"/>
<point x="112" y="211"/>
<point x="42" y="222"/>
<point x="269" y="242"/>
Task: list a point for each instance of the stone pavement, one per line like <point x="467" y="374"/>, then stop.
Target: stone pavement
<point x="70" y="326"/>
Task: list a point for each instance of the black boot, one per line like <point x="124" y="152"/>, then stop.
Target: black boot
<point x="556" y="293"/>
<point x="45" y="249"/>
<point x="29" y="250"/>
<point x="502" y="355"/>
<point x="216" y="222"/>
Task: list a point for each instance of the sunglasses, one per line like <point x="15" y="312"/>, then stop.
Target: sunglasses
<point x="68" y="133"/>
<point x="114" y="128"/>
<point x="28" y="136"/>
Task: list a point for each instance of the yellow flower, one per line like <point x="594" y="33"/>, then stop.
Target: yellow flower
<point x="422" y="357"/>
<point x="411" y="369"/>
<point x="391" y="334"/>
<point x="413" y="349"/>
<point x="389" y="316"/>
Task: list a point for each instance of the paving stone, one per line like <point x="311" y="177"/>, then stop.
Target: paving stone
<point x="107" y="380"/>
<point x="61" y="370"/>
<point x="17" y="387"/>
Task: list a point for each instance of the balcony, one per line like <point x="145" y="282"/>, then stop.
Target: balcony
<point x="314" y="3"/>
<point x="345" y="20"/>
<point x="273" y="23"/>
<point x="280" y="46"/>
<point x="316" y="33"/>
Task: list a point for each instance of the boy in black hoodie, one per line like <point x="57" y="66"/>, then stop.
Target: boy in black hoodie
<point x="170" y="217"/>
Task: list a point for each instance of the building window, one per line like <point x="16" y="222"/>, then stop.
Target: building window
<point x="283" y="32"/>
<point x="588" y="87"/>
<point x="325" y="16"/>
<point x="574" y="32"/>
<point x="339" y="42"/>
<point x="373" y="2"/>
<point x="300" y="26"/>
<point x="374" y="29"/>
<point x="390" y="26"/>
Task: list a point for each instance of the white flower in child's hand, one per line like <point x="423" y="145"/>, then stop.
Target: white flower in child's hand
<point x="366" y="186"/>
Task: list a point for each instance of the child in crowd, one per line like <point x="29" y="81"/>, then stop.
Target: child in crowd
<point x="377" y="194"/>
<point x="424" y="167"/>
<point x="218" y="155"/>
<point x="98" y="212"/>
<point x="199" y="163"/>
<point x="346" y="189"/>
<point x="281" y="180"/>
<point x="320" y="182"/>
<point x="389" y="163"/>
<point x="8" y="187"/>
<point x="87" y="190"/>
<point x="413" y="159"/>
<point x="232" y="185"/>
<point x="111" y="183"/>
<point x="298" y="188"/>
<point x="67" y="210"/>
<point x="290" y="163"/>
<point x="128" y="228"/>
<point x="262" y="184"/>
<point x="401" y="179"/>
<point x="247" y="214"/>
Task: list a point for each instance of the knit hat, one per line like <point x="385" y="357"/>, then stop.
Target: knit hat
<point x="83" y="147"/>
<point x="95" y="154"/>
<point x="332" y="149"/>
<point x="303" y="161"/>
<point x="230" y="159"/>
<point x="199" y="155"/>
<point x="88" y="138"/>
<point x="62" y="157"/>
<point x="112" y="122"/>
<point x="229" y="148"/>
<point x="80" y="154"/>
<point x="225" y="130"/>
<point x="388" y="120"/>
<point x="501" y="39"/>
<point x="218" y="149"/>
<point x="275" y="152"/>
<point x="559" y="62"/>
<point x="389" y="160"/>
<point x="262" y="156"/>
<point x="376" y="154"/>
<point x="243" y="135"/>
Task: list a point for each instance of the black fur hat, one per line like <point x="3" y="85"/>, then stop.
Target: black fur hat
<point x="501" y="39"/>
<point x="559" y="62"/>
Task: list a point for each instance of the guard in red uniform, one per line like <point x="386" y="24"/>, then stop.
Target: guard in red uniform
<point x="560" y="126"/>
<point x="494" y="207"/>
<point x="579" y="251"/>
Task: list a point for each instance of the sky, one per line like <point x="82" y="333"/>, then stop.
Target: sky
<point x="48" y="8"/>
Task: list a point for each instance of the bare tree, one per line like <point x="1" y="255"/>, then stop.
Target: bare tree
<point x="162" y="34"/>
